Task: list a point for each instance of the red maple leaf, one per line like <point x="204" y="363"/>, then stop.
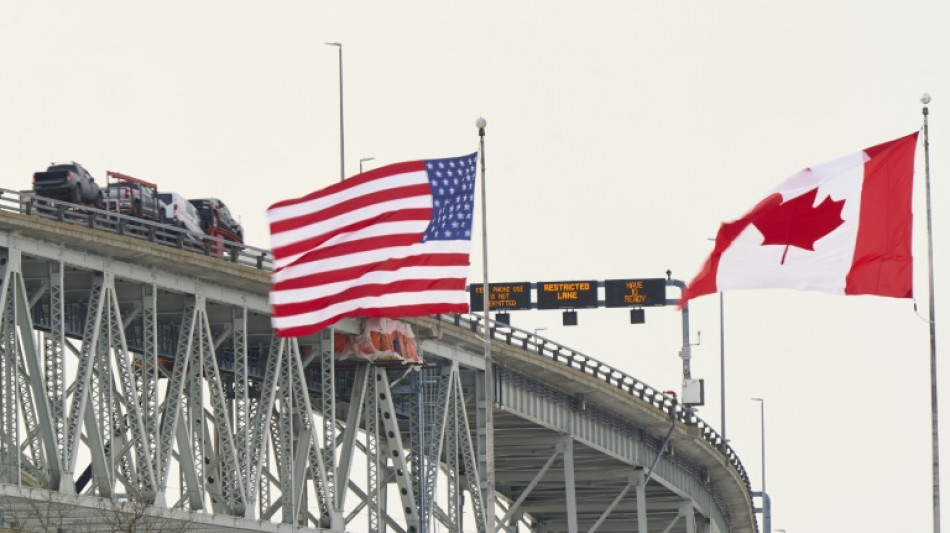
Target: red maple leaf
<point x="797" y="223"/>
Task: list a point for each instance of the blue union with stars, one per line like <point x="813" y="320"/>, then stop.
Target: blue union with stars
<point x="452" y="181"/>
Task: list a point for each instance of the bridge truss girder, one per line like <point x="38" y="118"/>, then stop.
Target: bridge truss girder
<point x="124" y="382"/>
<point x="167" y="421"/>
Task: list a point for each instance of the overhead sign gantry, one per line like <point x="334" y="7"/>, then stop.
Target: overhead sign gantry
<point x="570" y="295"/>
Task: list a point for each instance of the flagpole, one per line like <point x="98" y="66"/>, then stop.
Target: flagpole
<point x="489" y="504"/>
<point x="925" y="99"/>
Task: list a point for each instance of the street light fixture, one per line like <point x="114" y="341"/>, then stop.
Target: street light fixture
<point x="342" y="169"/>
<point x="362" y="159"/>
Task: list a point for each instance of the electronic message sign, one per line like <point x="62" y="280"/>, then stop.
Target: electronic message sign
<point x="567" y="294"/>
<point x="634" y="292"/>
<point x="501" y="296"/>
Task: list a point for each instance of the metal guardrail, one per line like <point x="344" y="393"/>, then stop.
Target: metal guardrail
<point x="27" y="202"/>
<point x="588" y="365"/>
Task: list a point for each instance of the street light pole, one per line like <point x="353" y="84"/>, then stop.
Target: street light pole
<point x="766" y="512"/>
<point x="722" y="369"/>
<point x="762" y="413"/>
<point x="362" y="159"/>
<point x="342" y="169"/>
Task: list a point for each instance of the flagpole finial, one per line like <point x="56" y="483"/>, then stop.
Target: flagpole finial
<point x="925" y="98"/>
<point x="480" y="124"/>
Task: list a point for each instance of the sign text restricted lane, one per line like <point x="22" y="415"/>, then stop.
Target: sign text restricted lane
<point x="567" y="294"/>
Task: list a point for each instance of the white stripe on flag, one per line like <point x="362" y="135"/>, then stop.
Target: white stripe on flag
<point x="371" y="257"/>
<point x="289" y="296"/>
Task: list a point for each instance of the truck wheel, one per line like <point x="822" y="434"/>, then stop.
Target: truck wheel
<point x="75" y="196"/>
<point x="137" y="209"/>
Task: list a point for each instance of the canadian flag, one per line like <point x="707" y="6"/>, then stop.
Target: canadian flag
<point x="842" y="227"/>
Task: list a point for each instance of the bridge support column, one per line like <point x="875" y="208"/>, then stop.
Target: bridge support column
<point x="567" y="448"/>
<point x="328" y="419"/>
<point x="353" y="415"/>
<point x="24" y="396"/>
<point x="641" y="503"/>
<point x="686" y="511"/>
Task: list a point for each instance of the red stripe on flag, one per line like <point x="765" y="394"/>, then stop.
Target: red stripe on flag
<point x="359" y="179"/>
<point x="883" y="262"/>
<point x="373" y="312"/>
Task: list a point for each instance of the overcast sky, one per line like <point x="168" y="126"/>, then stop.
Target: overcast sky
<point x="620" y="134"/>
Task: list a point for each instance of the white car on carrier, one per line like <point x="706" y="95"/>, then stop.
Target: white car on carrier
<point x="180" y="212"/>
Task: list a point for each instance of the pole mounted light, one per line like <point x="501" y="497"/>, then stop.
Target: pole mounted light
<point x="342" y="166"/>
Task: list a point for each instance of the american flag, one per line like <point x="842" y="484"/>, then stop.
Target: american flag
<point x="391" y="242"/>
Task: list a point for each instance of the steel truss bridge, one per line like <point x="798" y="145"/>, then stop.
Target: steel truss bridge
<point x="141" y="389"/>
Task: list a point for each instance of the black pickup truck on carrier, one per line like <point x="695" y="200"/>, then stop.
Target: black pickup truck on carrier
<point x="69" y="182"/>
